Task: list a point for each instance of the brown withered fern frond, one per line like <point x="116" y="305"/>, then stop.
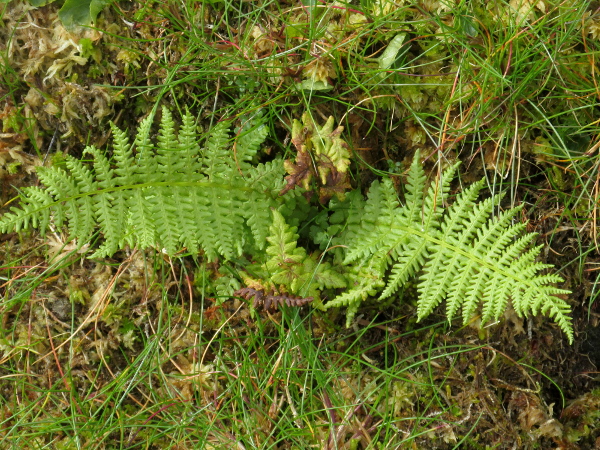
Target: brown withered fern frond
<point x="271" y="301"/>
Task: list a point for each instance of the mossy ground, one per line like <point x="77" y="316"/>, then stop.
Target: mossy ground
<point x="141" y="351"/>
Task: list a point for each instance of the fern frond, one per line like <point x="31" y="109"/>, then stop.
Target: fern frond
<point x="84" y="184"/>
<point x="271" y="300"/>
<point x="479" y="263"/>
<point x="411" y="250"/>
<point x="462" y="255"/>
<point x="168" y="156"/>
<point x="376" y="222"/>
<point x="265" y="181"/>
<point x="315" y="276"/>
<point x="140" y="220"/>
<point x="285" y="256"/>
<point x="189" y="149"/>
<point x="61" y="184"/>
<point x="366" y="282"/>
<point x="110" y="207"/>
<point x="217" y="152"/>
<point x="345" y="222"/>
<point x="414" y="191"/>
<point x="289" y="267"/>
<point x="146" y="167"/>
<point x="36" y="207"/>
<point x="123" y="155"/>
<point x="168" y="196"/>
<point x="225" y="238"/>
<point x="318" y="275"/>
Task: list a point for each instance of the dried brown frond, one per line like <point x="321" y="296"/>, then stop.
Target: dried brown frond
<point x="271" y="300"/>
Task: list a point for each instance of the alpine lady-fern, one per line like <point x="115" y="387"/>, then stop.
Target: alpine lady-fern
<point x="175" y="194"/>
<point x="464" y="254"/>
<point x="171" y="195"/>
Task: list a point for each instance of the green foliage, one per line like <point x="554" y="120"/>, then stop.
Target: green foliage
<point x="460" y="254"/>
<point x="81" y="12"/>
<point x="75" y="13"/>
<point x="284" y="254"/>
<point x="170" y="195"/>
<point x="290" y="266"/>
<point x="173" y="194"/>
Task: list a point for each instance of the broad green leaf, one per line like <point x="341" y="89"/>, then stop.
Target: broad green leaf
<point x="81" y="12"/>
<point x="390" y="54"/>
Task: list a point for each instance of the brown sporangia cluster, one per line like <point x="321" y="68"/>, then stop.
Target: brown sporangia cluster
<point x="271" y="301"/>
<point x="322" y="159"/>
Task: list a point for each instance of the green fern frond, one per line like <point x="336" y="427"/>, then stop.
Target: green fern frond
<point x="289" y="266"/>
<point x="285" y="257"/>
<point x="35" y="210"/>
<point x="168" y="195"/>
<point x="344" y="223"/>
<point x="146" y="167"/>
<point x="260" y="179"/>
<point x="123" y="156"/>
<point x="462" y="255"/>
<point x="376" y="223"/>
<point x="250" y="137"/>
<point x="317" y="276"/>
<point x="217" y="152"/>
<point x="168" y="157"/>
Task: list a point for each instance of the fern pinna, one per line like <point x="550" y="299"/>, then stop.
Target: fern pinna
<point x="463" y="254"/>
<point x="170" y="195"/>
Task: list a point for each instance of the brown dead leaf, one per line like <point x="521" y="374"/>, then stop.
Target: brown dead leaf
<point x="336" y="184"/>
<point x="300" y="173"/>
